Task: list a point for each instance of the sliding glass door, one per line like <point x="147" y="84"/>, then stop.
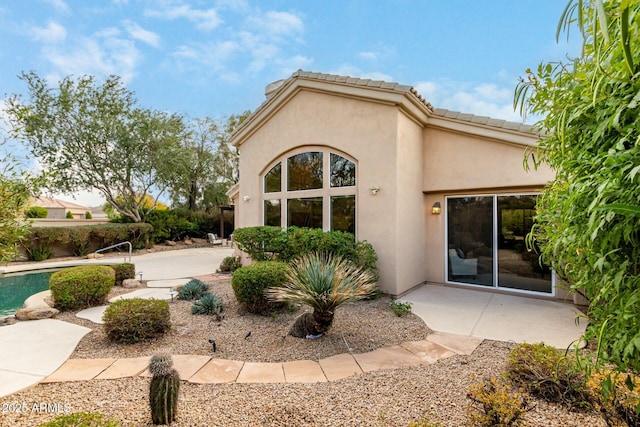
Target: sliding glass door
<point x="486" y="243"/>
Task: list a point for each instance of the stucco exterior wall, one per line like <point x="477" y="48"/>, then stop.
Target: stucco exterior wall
<point x="365" y="131"/>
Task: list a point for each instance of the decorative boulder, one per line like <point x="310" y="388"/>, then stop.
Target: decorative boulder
<point x="131" y="283"/>
<point x="36" y="313"/>
<point x="7" y="320"/>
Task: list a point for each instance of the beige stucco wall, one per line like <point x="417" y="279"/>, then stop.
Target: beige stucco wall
<point x="364" y="131"/>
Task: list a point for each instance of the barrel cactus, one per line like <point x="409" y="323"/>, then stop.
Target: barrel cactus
<point x="163" y="392"/>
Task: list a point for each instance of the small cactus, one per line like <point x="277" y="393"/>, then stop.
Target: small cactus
<point x="163" y="391"/>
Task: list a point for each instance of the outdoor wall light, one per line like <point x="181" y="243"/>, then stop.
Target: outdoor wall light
<point x="246" y="198"/>
<point x="374" y="189"/>
<point x="435" y="209"/>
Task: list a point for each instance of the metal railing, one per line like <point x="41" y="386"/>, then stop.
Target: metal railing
<point x="115" y="246"/>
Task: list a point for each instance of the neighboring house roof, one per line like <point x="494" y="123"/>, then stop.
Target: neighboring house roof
<point x="51" y="203"/>
<point x="379" y="90"/>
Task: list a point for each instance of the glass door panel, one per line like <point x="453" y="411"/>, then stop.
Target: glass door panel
<point x="470" y="240"/>
<point x="519" y="268"/>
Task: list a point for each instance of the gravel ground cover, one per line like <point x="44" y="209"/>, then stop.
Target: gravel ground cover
<point x="383" y="398"/>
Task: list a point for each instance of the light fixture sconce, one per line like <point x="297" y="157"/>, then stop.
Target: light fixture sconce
<point x="246" y="198"/>
<point x="435" y="209"/>
<point x="374" y="189"/>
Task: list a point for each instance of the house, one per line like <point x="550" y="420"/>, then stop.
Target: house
<point x="442" y="196"/>
<point x="58" y="208"/>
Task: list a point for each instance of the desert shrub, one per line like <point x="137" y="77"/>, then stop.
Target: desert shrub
<point x="36" y="212"/>
<point x="264" y="243"/>
<point x="82" y="419"/>
<point x="39" y="253"/>
<point x="616" y="396"/>
<point x="87" y="215"/>
<point x="423" y="422"/>
<point x="493" y="404"/>
<point x="230" y="264"/>
<point x="548" y="373"/>
<point x="136" y="319"/>
<point x="124" y="271"/>
<point x="82" y="286"/>
<point x="250" y="282"/>
<point x="69" y="215"/>
<point x="79" y="238"/>
<point x="170" y="225"/>
<point x="208" y="304"/>
<point x="194" y="289"/>
<point x="400" y="308"/>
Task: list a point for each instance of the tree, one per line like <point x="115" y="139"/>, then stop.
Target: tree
<point x="588" y="217"/>
<point x="89" y="136"/>
<point x="15" y="192"/>
<point x="211" y="167"/>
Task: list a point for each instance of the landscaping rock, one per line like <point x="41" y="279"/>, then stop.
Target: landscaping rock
<point x="131" y="283"/>
<point x="36" y="313"/>
<point x="187" y="241"/>
<point x="96" y="256"/>
<point x="170" y="243"/>
<point x="7" y="320"/>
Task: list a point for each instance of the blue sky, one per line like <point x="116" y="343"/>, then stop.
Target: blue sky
<point x="214" y="58"/>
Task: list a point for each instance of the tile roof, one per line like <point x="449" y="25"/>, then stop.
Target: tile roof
<point x="274" y="88"/>
<point x="50" y="202"/>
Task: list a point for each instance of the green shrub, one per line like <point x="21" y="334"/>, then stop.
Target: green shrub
<point x="400" y="308"/>
<point x="136" y="319"/>
<point x="87" y="215"/>
<point x="79" y="238"/>
<point x="194" y="289"/>
<point x="82" y="286"/>
<point x="230" y="264"/>
<point x="616" y="396"/>
<point x="549" y="374"/>
<point x="208" y="304"/>
<point x="124" y="271"/>
<point x="69" y="215"/>
<point x="250" y="282"/>
<point x="82" y="419"/>
<point x="170" y="225"/>
<point x="36" y="212"/>
<point x="493" y="404"/>
<point x="39" y="253"/>
<point x="265" y="243"/>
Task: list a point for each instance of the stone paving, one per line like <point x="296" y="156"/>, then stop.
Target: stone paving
<point x="210" y="370"/>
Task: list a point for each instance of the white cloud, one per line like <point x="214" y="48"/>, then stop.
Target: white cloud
<point x="205" y="19"/>
<point x="298" y="62"/>
<point x="59" y="5"/>
<point x="483" y="99"/>
<point x="276" y="24"/>
<point x="370" y="56"/>
<point x="139" y="33"/>
<point x="52" y="33"/>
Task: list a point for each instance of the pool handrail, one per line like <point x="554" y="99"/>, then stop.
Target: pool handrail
<point x="115" y="246"/>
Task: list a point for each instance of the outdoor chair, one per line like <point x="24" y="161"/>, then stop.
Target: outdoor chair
<point x="213" y="239"/>
<point x="462" y="266"/>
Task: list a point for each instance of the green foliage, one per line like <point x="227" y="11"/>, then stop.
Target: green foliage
<point x="230" y="264"/>
<point x="170" y="225"/>
<point x="250" y="282"/>
<point x="587" y="222"/>
<point x="493" y="404"/>
<point x="423" y="422"/>
<point x="14" y="201"/>
<point x="163" y="390"/>
<point x="36" y="212"/>
<point x="87" y="215"/>
<point x="39" y="253"/>
<point x="82" y="419"/>
<point x="193" y="289"/>
<point x="90" y="136"/>
<point x="80" y="287"/>
<point x="323" y="282"/>
<point x="617" y="397"/>
<point x="208" y="304"/>
<point x="271" y="243"/>
<point x="69" y="215"/>
<point x="400" y="308"/>
<point x="136" y="319"/>
<point x="546" y="372"/>
<point x="124" y="271"/>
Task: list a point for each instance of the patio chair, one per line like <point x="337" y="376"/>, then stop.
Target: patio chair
<point x="213" y="239"/>
<point x="462" y="266"/>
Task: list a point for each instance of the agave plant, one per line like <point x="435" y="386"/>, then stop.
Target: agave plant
<point x="323" y="282"/>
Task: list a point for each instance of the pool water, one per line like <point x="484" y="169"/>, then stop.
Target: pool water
<point x="17" y="287"/>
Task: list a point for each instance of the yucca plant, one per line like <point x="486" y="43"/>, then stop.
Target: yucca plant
<point x="323" y="282"/>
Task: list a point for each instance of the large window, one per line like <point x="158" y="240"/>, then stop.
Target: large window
<point x="320" y="191"/>
<point x="486" y="243"/>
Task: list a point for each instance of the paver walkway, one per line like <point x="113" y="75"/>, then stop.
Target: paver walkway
<point x="208" y="370"/>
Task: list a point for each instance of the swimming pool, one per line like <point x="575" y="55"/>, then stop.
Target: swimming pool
<point x="17" y="287"/>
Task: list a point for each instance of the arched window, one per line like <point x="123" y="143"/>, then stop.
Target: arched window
<point x="320" y="192"/>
